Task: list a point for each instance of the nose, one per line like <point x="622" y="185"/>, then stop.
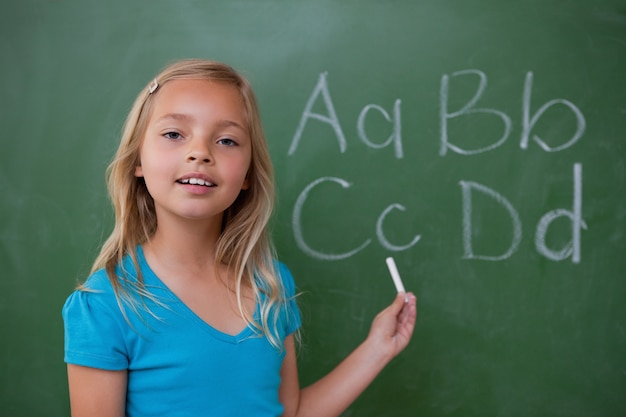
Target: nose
<point x="194" y="157"/>
<point x="199" y="152"/>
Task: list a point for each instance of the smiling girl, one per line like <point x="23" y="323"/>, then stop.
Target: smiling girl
<point x="187" y="311"/>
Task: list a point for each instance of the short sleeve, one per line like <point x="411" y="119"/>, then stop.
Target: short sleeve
<point x="292" y="320"/>
<point x="93" y="336"/>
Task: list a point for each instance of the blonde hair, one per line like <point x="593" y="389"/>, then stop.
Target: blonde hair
<point x="244" y="244"/>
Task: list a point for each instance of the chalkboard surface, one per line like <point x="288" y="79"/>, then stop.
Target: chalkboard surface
<point x="481" y="143"/>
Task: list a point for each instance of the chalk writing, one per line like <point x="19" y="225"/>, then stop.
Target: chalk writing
<point x="572" y="249"/>
<point x="467" y="109"/>
<point x="528" y="122"/>
<point x="297" y="224"/>
<point x="468" y="252"/>
<point x="380" y="234"/>
<point x="575" y="215"/>
<point x="396" y="135"/>
<point x="331" y="119"/>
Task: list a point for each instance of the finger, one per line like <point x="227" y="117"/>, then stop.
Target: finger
<point x="409" y="311"/>
<point x="398" y="303"/>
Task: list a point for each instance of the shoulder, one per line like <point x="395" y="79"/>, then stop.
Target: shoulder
<point x="95" y="294"/>
<point x="283" y="270"/>
<point x="93" y="325"/>
<point x="284" y="273"/>
<point x="99" y="293"/>
<point x="99" y="281"/>
<point x="290" y="313"/>
<point x="125" y="277"/>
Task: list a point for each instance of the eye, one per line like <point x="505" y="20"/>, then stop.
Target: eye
<point x="173" y="135"/>
<point x="227" y="142"/>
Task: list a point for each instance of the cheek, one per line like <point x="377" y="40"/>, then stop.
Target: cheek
<point x="150" y="164"/>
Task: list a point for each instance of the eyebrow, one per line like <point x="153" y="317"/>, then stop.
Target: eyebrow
<point x="175" y="116"/>
<point x="185" y="117"/>
<point x="232" y="123"/>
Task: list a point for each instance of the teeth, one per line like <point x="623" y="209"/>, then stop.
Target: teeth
<point x="196" y="181"/>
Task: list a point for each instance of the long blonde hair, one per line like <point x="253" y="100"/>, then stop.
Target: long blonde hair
<point x="244" y="244"/>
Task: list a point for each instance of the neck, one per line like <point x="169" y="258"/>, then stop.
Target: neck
<point x="191" y="244"/>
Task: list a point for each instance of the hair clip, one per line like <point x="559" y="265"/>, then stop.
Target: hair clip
<point x="153" y="86"/>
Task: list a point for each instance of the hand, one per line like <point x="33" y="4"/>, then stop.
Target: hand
<point x="393" y="327"/>
<point x="390" y="333"/>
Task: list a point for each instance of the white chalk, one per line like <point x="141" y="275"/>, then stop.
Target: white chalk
<point x="393" y="270"/>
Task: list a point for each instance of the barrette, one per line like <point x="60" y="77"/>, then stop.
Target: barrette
<point x="153" y="86"/>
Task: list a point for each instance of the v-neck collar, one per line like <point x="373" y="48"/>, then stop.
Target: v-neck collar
<point x="152" y="280"/>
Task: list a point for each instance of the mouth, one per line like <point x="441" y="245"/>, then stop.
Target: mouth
<point x="196" y="181"/>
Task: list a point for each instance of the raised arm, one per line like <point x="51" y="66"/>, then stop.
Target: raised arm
<point x="96" y="392"/>
<point x="390" y="333"/>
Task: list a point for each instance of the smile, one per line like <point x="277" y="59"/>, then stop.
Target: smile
<point x="196" y="181"/>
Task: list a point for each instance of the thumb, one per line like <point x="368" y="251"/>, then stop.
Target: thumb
<point x="398" y="303"/>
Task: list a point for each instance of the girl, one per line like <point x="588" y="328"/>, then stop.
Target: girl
<point x="186" y="312"/>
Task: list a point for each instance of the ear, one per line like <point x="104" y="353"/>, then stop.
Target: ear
<point x="244" y="186"/>
<point x="138" y="171"/>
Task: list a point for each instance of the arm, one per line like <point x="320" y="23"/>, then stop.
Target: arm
<point x="390" y="333"/>
<point x="96" y="392"/>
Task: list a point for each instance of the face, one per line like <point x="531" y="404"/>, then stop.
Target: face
<point x="196" y="150"/>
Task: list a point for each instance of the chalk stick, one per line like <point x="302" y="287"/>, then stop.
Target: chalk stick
<point x="393" y="270"/>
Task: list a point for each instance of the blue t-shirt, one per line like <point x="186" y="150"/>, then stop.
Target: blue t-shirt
<point x="178" y="365"/>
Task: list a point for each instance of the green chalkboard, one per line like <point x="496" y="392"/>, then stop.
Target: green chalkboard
<point x="481" y="143"/>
